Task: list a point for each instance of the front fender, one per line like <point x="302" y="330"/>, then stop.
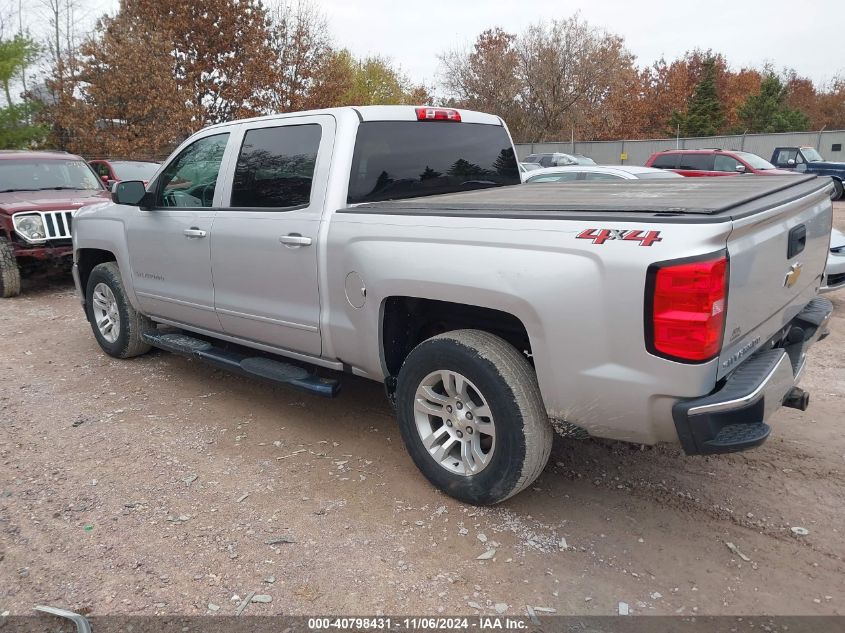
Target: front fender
<point x="93" y="231"/>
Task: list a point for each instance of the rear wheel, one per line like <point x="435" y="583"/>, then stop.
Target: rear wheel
<point x="10" y="274"/>
<point x="836" y="194"/>
<point x="116" y="324"/>
<point x="472" y="417"/>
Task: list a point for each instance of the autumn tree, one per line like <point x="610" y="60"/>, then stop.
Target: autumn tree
<point x="485" y="77"/>
<point x="114" y="112"/>
<point x="546" y="81"/>
<point x="187" y="64"/>
<point x="345" y="80"/>
<point x="768" y="111"/>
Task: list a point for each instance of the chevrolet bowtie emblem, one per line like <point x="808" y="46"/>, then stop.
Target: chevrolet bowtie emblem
<point x="793" y="275"/>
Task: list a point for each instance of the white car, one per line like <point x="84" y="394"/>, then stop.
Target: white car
<point x="558" y="159"/>
<point x="834" y="272"/>
<point x="571" y="173"/>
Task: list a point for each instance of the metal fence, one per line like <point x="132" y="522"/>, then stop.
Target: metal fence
<point x="829" y="143"/>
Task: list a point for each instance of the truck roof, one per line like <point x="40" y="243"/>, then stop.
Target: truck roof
<point x="374" y="113"/>
<point x="696" y="198"/>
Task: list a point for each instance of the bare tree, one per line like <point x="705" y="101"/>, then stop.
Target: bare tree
<point x="300" y="40"/>
<point x="543" y="81"/>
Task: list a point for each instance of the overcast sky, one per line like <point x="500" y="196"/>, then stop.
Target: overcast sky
<point x="803" y="34"/>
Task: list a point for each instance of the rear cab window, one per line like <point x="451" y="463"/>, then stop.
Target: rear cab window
<point x="275" y="167"/>
<point x="406" y="159"/>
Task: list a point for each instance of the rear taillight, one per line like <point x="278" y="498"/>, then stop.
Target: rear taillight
<point x="438" y="114"/>
<point x="685" y="308"/>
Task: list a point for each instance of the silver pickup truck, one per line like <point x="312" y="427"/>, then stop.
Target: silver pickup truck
<point x="397" y="243"/>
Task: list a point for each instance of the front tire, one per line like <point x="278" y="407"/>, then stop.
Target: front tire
<point x="116" y="324"/>
<point x="10" y="274"/>
<point x="472" y="417"/>
<point x="837" y="190"/>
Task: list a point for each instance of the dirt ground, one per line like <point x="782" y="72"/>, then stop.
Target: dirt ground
<point x="154" y="485"/>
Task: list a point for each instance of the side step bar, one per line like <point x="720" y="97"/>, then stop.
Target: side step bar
<point x="250" y="366"/>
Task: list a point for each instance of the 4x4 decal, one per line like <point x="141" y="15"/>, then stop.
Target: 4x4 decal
<point x="600" y="236"/>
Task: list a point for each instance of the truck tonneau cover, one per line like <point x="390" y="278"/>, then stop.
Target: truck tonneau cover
<point x="726" y="197"/>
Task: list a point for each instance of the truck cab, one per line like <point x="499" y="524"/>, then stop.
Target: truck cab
<point x="808" y="160"/>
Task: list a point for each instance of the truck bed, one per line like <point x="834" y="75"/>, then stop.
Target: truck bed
<point x="693" y="199"/>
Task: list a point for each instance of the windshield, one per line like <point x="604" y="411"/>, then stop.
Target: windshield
<point x="403" y="159"/>
<point x="133" y="170"/>
<point x="755" y="161"/>
<point x="812" y="155"/>
<point x="37" y="175"/>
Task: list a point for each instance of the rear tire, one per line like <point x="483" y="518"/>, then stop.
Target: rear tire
<point x="482" y="457"/>
<point x="837" y="190"/>
<point x="10" y="274"/>
<point x="116" y="324"/>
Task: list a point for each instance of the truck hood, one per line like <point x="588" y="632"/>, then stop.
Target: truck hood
<point x="17" y="201"/>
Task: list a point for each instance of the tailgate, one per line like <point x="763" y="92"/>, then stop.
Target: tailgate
<point x="767" y="286"/>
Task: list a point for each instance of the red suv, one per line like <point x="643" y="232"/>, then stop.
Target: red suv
<point x="39" y="192"/>
<point x="712" y="162"/>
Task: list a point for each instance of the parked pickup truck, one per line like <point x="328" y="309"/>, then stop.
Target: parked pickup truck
<point x="808" y="160"/>
<point x="396" y="243"/>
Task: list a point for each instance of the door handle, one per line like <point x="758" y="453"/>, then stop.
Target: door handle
<point x="194" y="232"/>
<point x="295" y="240"/>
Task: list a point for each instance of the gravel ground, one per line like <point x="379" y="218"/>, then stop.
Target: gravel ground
<point x="160" y="485"/>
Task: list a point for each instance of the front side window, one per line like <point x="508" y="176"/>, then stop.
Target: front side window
<point x="276" y="167"/>
<point x="725" y="163"/>
<point x="190" y="178"/>
<point x="785" y="155"/>
<point x="394" y="160"/>
<point x="42" y="175"/>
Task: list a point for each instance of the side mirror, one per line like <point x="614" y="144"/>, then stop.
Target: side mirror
<point x="791" y="162"/>
<point x="130" y="192"/>
<point x="740" y="168"/>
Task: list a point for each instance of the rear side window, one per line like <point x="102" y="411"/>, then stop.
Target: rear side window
<point x="275" y="167"/>
<point x="405" y="159"/>
<point x="665" y="161"/>
<point x="699" y="162"/>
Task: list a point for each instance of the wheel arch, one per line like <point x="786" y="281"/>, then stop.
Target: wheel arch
<point x="406" y="321"/>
